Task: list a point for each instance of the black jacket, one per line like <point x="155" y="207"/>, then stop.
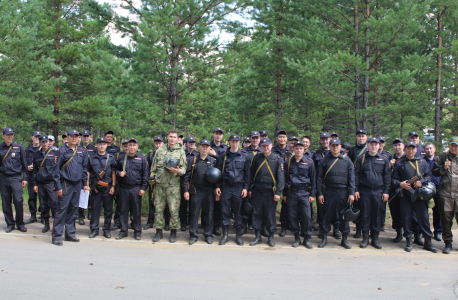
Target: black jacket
<point x="299" y="174"/>
<point x="15" y="163"/>
<point x="76" y="170"/>
<point x="136" y="171"/>
<point x="49" y="170"/>
<point x="236" y="170"/>
<point x="95" y="165"/>
<point x="276" y="165"/>
<point x="195" y="172"/>
<point x="374" y="173"/>
<point x="322" y="171"/>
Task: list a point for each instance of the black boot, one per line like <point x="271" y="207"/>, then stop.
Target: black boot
<point x="336" y="233"/>
<point x="365" y="239"/>
<point x="264" y="232"/>
<point x="306" y="242"/>
<point x="283" y="230"/>
<point x="257" y="238"/>
<point x="46" y="228"/>
<point x="320" y="234"/>
<point x="89" y="214"/>
<point x="447" y="249"/>
<point x="158" y="235"/>
<point x="429" y="245"/>
<point x="244" y="229"/>
<point x="223" y="240"/>
<point x="297" y="240"/>
<point x="358" y="233"/>
<point x="81" y="217"/>
<point x="417" y="238"/>
<point x="398" y="237"/>
<point x="270" y="240"/>
<point x="324" y="240"/>
<point x="173" y="236"/>
<point x="344" y="242"/>
<point x="238" y="236"/>
<point x="438" y="236"/>
<point x="408" y="247"/>
<point x="33" y="218"/>
<point x="375" y="242"/>
<point x="216" y="231"/>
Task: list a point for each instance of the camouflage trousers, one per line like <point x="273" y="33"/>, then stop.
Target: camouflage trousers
<point x="170" y="195"/>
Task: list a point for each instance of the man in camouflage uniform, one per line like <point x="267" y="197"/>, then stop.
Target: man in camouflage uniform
<point x="168" y="185"/>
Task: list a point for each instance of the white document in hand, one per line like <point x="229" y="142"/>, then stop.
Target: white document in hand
<point x="84" y="199"/>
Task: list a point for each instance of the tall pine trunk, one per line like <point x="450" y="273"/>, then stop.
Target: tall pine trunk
<point x="438" y="103"/>
<point x="356" y="45"/>
<point x="56" y="98"/>
<point x="173" y="89"/>
<point x="367" y="60"/>
<point x="278" y="95"/>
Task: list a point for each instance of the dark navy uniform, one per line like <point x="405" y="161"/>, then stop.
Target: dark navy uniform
<point x="403" y="170"/>
<point x="219" y="149"/>
<point x="436" y="180"/>
<point x="113" y="150"/>
<point x="340" y="183"/>
<point x="136" y="179"/>
<point x="386" y="154"/>
<point x="73" y="177"/>
<point x="251" y="153"/>
<point x="389" y="156"/>
<point x="13" y="165"/>
<point x="46" y="176"/>
<point x="373" y="178"/>
<point x="236" y="177"/>
<point x="91" y="149"/>
<point x="285" y="153"/>
<point x="217" y="217"/>
<point x="395" y="203"/>
<point x="357" y="151"/>
<point x="302" y="179"/>
<point x="201" y="194"/>
<point x="101" y="194"/>
<point x="29" y="153"/>
<point x="264" y="205"/>
<point x="185" y="205"/>
<point x="116" y="152"/>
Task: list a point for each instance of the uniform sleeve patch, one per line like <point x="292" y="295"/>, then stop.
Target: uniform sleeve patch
<point x="281" y="165"/>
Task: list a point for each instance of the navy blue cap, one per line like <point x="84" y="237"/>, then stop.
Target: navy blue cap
<point x="35" y="133"/>
<point x="43" y="138"/>
<point x="411" y="144"/>
<point x="255" y="133"/>
<point x="334" y="133"/>
<point x="102" y="140"/>
<point x="294" y="138"/>
<point x="413" y="133"/>
<point x="398" y="140"/>
<point x="325" y="135"/>
<point x="158" y="138"/>
<point x="8" y="130"/>
<point x="247" y="139"/>
<point x="234" y="137"/>
<point x="335" y="141"/>
<point x="185" y="140"/>
<point x="265" y="141"/>
<point x="218" y="129"/>
<point x="73" y="132"/>
<point x="190" y="139"/>
<point x="374" y="139"/>
<point x="263" y="132"/>
<point x="281" y="132"/>
<point x="64" y="136"/>
<point x="132" y="140"/>
<point x="124" y="142"/>
<point x="86" y="132"/>
<point x="109" y="132"/>
<point x="204" y="142"/>
<point x="363" y="131"/>
<point x="299" y="143"/>
<point x="381" y="139"/>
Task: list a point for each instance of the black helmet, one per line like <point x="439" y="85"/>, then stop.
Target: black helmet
<point x="346" y="145"/>
<point x="247" y="207"/>
<point x="213" y="175"/>
<point x="426" y="191"/>
<point x="171" y="163"/>
<point x="349" y="214"/>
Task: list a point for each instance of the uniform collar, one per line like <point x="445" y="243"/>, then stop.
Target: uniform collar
<point x="250" y="148"/>
<point x="206" y="159"/>
<point x="303" y="159"/>
<point x="228" y="151"/>
<point x="330" y="155"/>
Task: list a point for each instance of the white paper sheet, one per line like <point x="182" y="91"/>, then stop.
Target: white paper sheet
<point x="84" y="199"/>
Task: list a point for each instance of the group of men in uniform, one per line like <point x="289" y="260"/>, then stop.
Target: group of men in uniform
<point x="257" y="175"/>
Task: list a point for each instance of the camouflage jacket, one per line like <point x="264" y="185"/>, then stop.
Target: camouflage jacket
<point x="163" y="176"/>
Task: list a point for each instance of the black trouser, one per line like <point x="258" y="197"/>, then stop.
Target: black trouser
<point x="104" y="198"/>
<point x="299" y="210"/>
<point x="421" y="210"/>
<point x="335" y="200"/>
<point x="217" y="216"/>
<point x="448" y="210"/>
<point x="231" y="198"/>
<point x="203" y="200"/>
<point x="395" y="211"/>
<point x="48" y="198"/>
<point x="370" y="204"/>
<point x="312" y="212"/>
<point x="32" y="198"/>
<point x="247" y="218"/>
<point x="436" y="214"/>
<point x="67" y="209"/>
<point x="183" y="213"/>
<point x="117" y="217"/>
<point x="130" y="200"/>
<point x="11" y="192"/>
<point x="383" y="214"/>
<point x="264" y="208"/>
<point x="284" y="216"/>
<point x="358" y="222"/>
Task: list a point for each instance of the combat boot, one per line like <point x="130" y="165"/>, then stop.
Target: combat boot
<point x="81" y="217"/>
<point x="223" y="240"/>
<point x="297" y="240"/>
<point x="324" y="240"/>
<point x="375" y="242"/>
<point x="408" y="247"/>
<point x="320" y="234"/>
<point x="358" y="233"/>
<point x="89" y="214"/>
<point x="33" y="218"/>
<point x="264" y="232"/>
<point x="283" y="230"/>
<point x="173" y="236"/>
<point x="244" y="229"/>
<point x="398" y="237"/>
<point x="447" y="249"/>
<point x="270" y="240"/>
<point x="429" y="245"/>
<point x="46" y="227"/>
<point x="238" y="236"/>
<point x="306" y="242"/>
<point x="365" y="239"/>
<point x="158" y="235"/>
<point x="257" y="238"/>
<point x="216" y="231"/>
<point x="417" y="238"/>
<point x="336" y="233"/>
<point x="344" y="242"/>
